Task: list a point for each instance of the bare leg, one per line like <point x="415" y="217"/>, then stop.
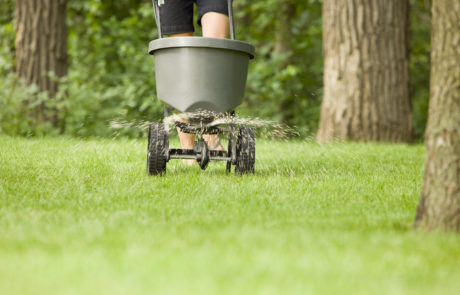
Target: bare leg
<point x="186" y="140"/>
<point x="214" y="25"/>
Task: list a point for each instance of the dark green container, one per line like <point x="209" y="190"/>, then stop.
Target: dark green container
<point x="195" y="73"/>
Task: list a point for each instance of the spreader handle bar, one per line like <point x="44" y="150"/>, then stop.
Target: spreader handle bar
<point x="156" y="9"/>
<point x="230" y="18"/>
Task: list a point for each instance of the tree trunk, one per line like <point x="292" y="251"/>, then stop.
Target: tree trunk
<point x="366" y="71"/>
<point x="41" y="43"/>
<point x="283" y="47"/>
<point x="283" y="32"/>
<point x="439" y="206"/>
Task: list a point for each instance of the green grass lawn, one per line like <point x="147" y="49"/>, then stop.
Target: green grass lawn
<point x="81" y="217"/>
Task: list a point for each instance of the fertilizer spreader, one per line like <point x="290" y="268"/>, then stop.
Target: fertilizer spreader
<point x="212" y="74"/>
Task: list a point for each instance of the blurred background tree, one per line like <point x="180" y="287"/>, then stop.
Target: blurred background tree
<point x="41" y="53"/>
<point x="366" y="71"/>
<point x="110" y="75"/>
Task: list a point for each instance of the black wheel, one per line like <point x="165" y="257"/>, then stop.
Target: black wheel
<point x="245" y="151"/>
<point x="157" y="145"/>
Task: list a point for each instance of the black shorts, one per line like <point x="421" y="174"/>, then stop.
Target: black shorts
<point x="177" y="15"/>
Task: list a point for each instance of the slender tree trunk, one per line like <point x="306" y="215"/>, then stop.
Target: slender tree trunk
<point x="283" y="30"/>
<point x="41" y="43"/>
<point x="439" y="206"/>
<point x="283" y="46"/>
<point x="366" y="72"/>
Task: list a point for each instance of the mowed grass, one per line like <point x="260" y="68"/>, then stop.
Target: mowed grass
<point x="81" y="217"/>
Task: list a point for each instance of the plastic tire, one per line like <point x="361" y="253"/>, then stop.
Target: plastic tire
<point x="156" y="149"/>
<point x="245" y="151"/>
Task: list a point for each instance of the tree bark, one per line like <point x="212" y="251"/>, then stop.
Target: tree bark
<point x="283" y="46"/>
<point x="41" y="43"/>
<point x="366" y="71"/>
<point x="283" y="31"/>
<point x="439" y="206"/>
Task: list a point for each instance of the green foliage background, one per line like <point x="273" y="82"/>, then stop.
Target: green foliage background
<point x="111" y="76"/>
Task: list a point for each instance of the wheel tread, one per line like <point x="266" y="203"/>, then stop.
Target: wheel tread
<point x="157" y="144"/>
<point x="246" y="151"/>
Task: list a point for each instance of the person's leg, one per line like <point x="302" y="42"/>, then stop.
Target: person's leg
<point x="213" y="18"/>
<point x="215" y="25"/>
<point x="214" y="21"/>
<point x="187" y="141"/>
<point x="177" y="18"/>
<point x="177" y="21"/>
